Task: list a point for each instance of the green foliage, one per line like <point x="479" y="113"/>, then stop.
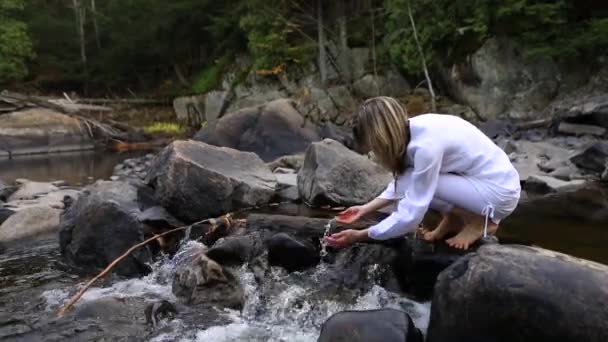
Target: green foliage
<point x="210" y="77"/>
<point x="275" y="40"/>
<point x="15" y="44"/>
<point x="450" y="30"/>
<point x="165" y="128"/>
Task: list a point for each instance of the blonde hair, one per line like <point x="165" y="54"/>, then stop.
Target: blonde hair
<point x="382" y="126"/>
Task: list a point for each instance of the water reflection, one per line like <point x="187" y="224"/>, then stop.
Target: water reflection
<point x="73" y="167"/>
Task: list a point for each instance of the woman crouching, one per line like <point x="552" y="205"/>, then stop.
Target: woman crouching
<point x="438" y="161"/>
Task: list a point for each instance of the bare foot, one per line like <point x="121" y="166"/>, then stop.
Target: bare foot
<point x="451" y="222"/>
<point x="472" y="231"/>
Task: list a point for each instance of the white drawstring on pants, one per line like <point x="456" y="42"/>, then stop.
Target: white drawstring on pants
<point x="488" y="211"/>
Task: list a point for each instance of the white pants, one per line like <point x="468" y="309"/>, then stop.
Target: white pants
<point x="457" y="191"/>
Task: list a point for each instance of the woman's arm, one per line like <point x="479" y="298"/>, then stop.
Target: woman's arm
<point x="375" y="204"/>
<point x="415" y="203"/>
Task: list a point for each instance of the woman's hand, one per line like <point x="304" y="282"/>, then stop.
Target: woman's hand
<point x="351" y="214"/>
<point x="346" y="238"/>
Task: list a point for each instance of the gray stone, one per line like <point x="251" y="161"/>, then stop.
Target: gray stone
<point x="564" y="172"/>
<point x="190" y="110"/>
<point x="545" y="184"/>
<point x="389" y="84"/>
<point x="333" y="174"/>
<point x="203" y="281"/>
<point x="102" y="224"/>
<point x="55" y="199"/>
<point x="40" y="130"/>
<point x="578" y="129"/>
<point x="216" y="102"/>
<point x="593" y="109"/>
<point x="500" y="81"/>
<point x="593" y="158"/>
<point x="30" y="222"/>
<point x="194" y="180"/>
<point x="534" y="289"/>
<point x="30" y="190"/>
<point x="282" y="170"/>
<point x="293" y="162"/>
<point x="272" y="130"/>
<point x="383" y="325"/>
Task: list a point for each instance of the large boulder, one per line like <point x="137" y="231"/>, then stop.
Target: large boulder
<point x="105" y="221"/>
<point x="194" y="180"/>
<point x="588" y="203"/>
<point x="519" y="293"/>
<point x="593" y="158"/>
<point x="41" y="130"/>
<point x="30" y="222"/>
<point x="290" y="253"/>
<point x="499" y="80"/>
<point x="383" y="325"/>
<point x="587" y="109"/>
<point x="333" y="174"/>
<point x="203" y="281"/>
<point x="271" y="130"/>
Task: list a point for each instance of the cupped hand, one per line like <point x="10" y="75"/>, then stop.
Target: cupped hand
<point x="350" y="215"/>
<point x="346" y="238"/>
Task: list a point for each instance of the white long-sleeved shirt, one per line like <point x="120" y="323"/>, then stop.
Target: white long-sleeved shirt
<point x="444" y="144"/>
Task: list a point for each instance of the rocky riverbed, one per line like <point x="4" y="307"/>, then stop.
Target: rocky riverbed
<point x="258" y="275"/>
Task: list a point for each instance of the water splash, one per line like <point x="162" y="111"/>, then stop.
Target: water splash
<point x="284" y="307"/>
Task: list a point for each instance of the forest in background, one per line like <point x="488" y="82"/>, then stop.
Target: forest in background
<point x="184" y="46"/>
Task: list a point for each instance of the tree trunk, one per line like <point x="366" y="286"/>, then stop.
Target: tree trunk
<point x="95" y="27"/>
<point x="180" y="75"/>
<point x="421" y="52"/>
<point x="374" y="61"/>
<point x="321" y="42"/>
<point x="344" y="53"/>
<point x="80" y="13"/>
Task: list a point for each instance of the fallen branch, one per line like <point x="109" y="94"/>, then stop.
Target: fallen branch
<point x="78" y="295"/>
<point x="214" y="225"/>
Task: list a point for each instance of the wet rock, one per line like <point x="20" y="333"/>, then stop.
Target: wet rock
<point x="30" y="190"/>
<point x="422" y="262"/>
<point x="136" y="168"/>
<point x="204" y="282"/>
<point x="579" y="129"/>
<point x="526" y="290"/>
<point x="542" y="184"/>
<point x="383" y="325"/>
<point x="298" y="226"/>
<point x="30" y="222"/>
<point x="56" y="199"/>
<point x="364" y="265"/>
<point x="593" y="158"/>
<point x="333" y="174"/>
<point x="272" y="130"/>
<point x="194" y="180"/>
<point x="158" y="311"/>
<point x="291" y="253"/>
<point x="101" y="225"/>
<point x="237" y="250"/>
